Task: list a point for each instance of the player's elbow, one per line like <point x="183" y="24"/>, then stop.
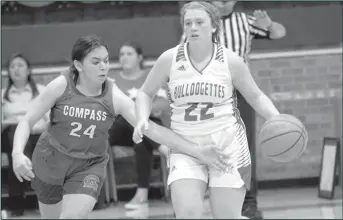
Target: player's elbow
<point x="254" y="99"/>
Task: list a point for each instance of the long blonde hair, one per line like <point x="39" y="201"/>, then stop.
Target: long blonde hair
<point x="211" y="10"/>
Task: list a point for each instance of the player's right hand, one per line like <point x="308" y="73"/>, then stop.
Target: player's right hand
<point x="22" y="167"/>
<point x="139" y="129"/>
<point x="214" y="157"/>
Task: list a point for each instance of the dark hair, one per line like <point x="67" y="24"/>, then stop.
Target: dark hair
<point x="83" y="46"/>
<point x="137" y="47"/>
<point x="30" y="80"/>
<point x="211" y="10"/>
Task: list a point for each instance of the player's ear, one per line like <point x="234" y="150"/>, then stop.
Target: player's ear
<point x="78" y="65"/>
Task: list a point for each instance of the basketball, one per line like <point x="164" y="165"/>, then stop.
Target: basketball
<point x="283" y="138"/>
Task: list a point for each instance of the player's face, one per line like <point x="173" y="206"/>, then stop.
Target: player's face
<point x="225" y="7"/>
<point x="96" y="64"/>
<point x="128" y="58"/>
<point x="197" y="25"/>
<point x="18" y="69"/>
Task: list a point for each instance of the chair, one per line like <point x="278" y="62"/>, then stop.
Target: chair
<point x="111" y="185"/>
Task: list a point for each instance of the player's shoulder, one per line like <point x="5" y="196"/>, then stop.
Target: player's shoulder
<point x="62" y="79"/>
<point x="114" y="88"/>
<point x="65" y="76"/>
<point x="166" y="58"/>
<point x="111" y="79"/>
<point x="232" y="57"/>
<point x="57" y="85"/>
<point x="40" y="87"/>
<point x="118" y="99"/>
<point x="168" y="54"/>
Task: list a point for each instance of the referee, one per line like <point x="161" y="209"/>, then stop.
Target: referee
<point x="239" y="31"/>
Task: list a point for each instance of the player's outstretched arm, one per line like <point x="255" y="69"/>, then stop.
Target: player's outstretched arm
<point x="157" y="77"/>
<point x="244" y="82"/>
<point x="124" y="106"/>
<point x="36" y="110"/>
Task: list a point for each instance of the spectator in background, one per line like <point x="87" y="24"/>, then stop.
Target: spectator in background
<point x="129" y="80"/>
<point x="239" y="31"/>
<point x="20" y="91"/>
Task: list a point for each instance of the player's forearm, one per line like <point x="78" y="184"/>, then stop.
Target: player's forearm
<point x="143" y="106"/>
<point x="21" y="136"/>
<point x="276" y="30"/>
<point x="264" y="106"/>
<point x="171" y="139"/>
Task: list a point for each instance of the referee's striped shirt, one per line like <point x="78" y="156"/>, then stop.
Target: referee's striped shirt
<point x="239" y="30"/>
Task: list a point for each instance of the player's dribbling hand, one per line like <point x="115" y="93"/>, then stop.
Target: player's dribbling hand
<point x="212" y="156"/>
<point x="22" y="167"/>
<point x="139" y="129"/>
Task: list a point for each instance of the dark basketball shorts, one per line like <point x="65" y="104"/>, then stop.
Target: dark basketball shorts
<point x="57" y="174"/>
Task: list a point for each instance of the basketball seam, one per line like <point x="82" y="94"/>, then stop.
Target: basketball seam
<point x="283" y="121"/>
<point x="288" y="148"/>
<point x="279" y="135"/>
<point x="304" y="148"/>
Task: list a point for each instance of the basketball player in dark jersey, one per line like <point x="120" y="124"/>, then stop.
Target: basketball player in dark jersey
<point x="69" y="162"/>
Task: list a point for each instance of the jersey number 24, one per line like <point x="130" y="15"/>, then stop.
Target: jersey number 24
<point x="78" y="126"/>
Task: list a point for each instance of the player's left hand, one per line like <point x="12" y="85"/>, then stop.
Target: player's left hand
<point x="22" y="167"/>
<point x="215" y="158"/>
<point x="262" y="19"/>
<point x="138" y="131"/>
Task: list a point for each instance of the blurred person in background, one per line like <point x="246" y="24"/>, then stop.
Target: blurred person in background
<point x="129" y="79"/>
<point x="239" y="29"/>
<point x="21" y="89"/>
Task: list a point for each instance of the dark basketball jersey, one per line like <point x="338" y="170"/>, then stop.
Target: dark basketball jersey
<point x="79" y="124"/>
<point x="130" y="87"/>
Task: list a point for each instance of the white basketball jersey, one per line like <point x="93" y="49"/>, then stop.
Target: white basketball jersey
<point x="202" y="102"/>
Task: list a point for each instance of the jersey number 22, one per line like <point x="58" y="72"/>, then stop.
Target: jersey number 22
<point x="78" y="126"/>
<point x="203" y="112"/>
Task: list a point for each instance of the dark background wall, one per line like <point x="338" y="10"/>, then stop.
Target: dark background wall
<point x="47" y="35"/>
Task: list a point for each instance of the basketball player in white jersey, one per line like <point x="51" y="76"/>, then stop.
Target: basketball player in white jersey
<point x="201" y="76"/>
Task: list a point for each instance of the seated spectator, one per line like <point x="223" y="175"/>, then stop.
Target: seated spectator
<point x="20" y="91"/>
<point x="129" y="80"/>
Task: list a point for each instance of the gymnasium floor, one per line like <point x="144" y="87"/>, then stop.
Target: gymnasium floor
<point x="296" y="203"/>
